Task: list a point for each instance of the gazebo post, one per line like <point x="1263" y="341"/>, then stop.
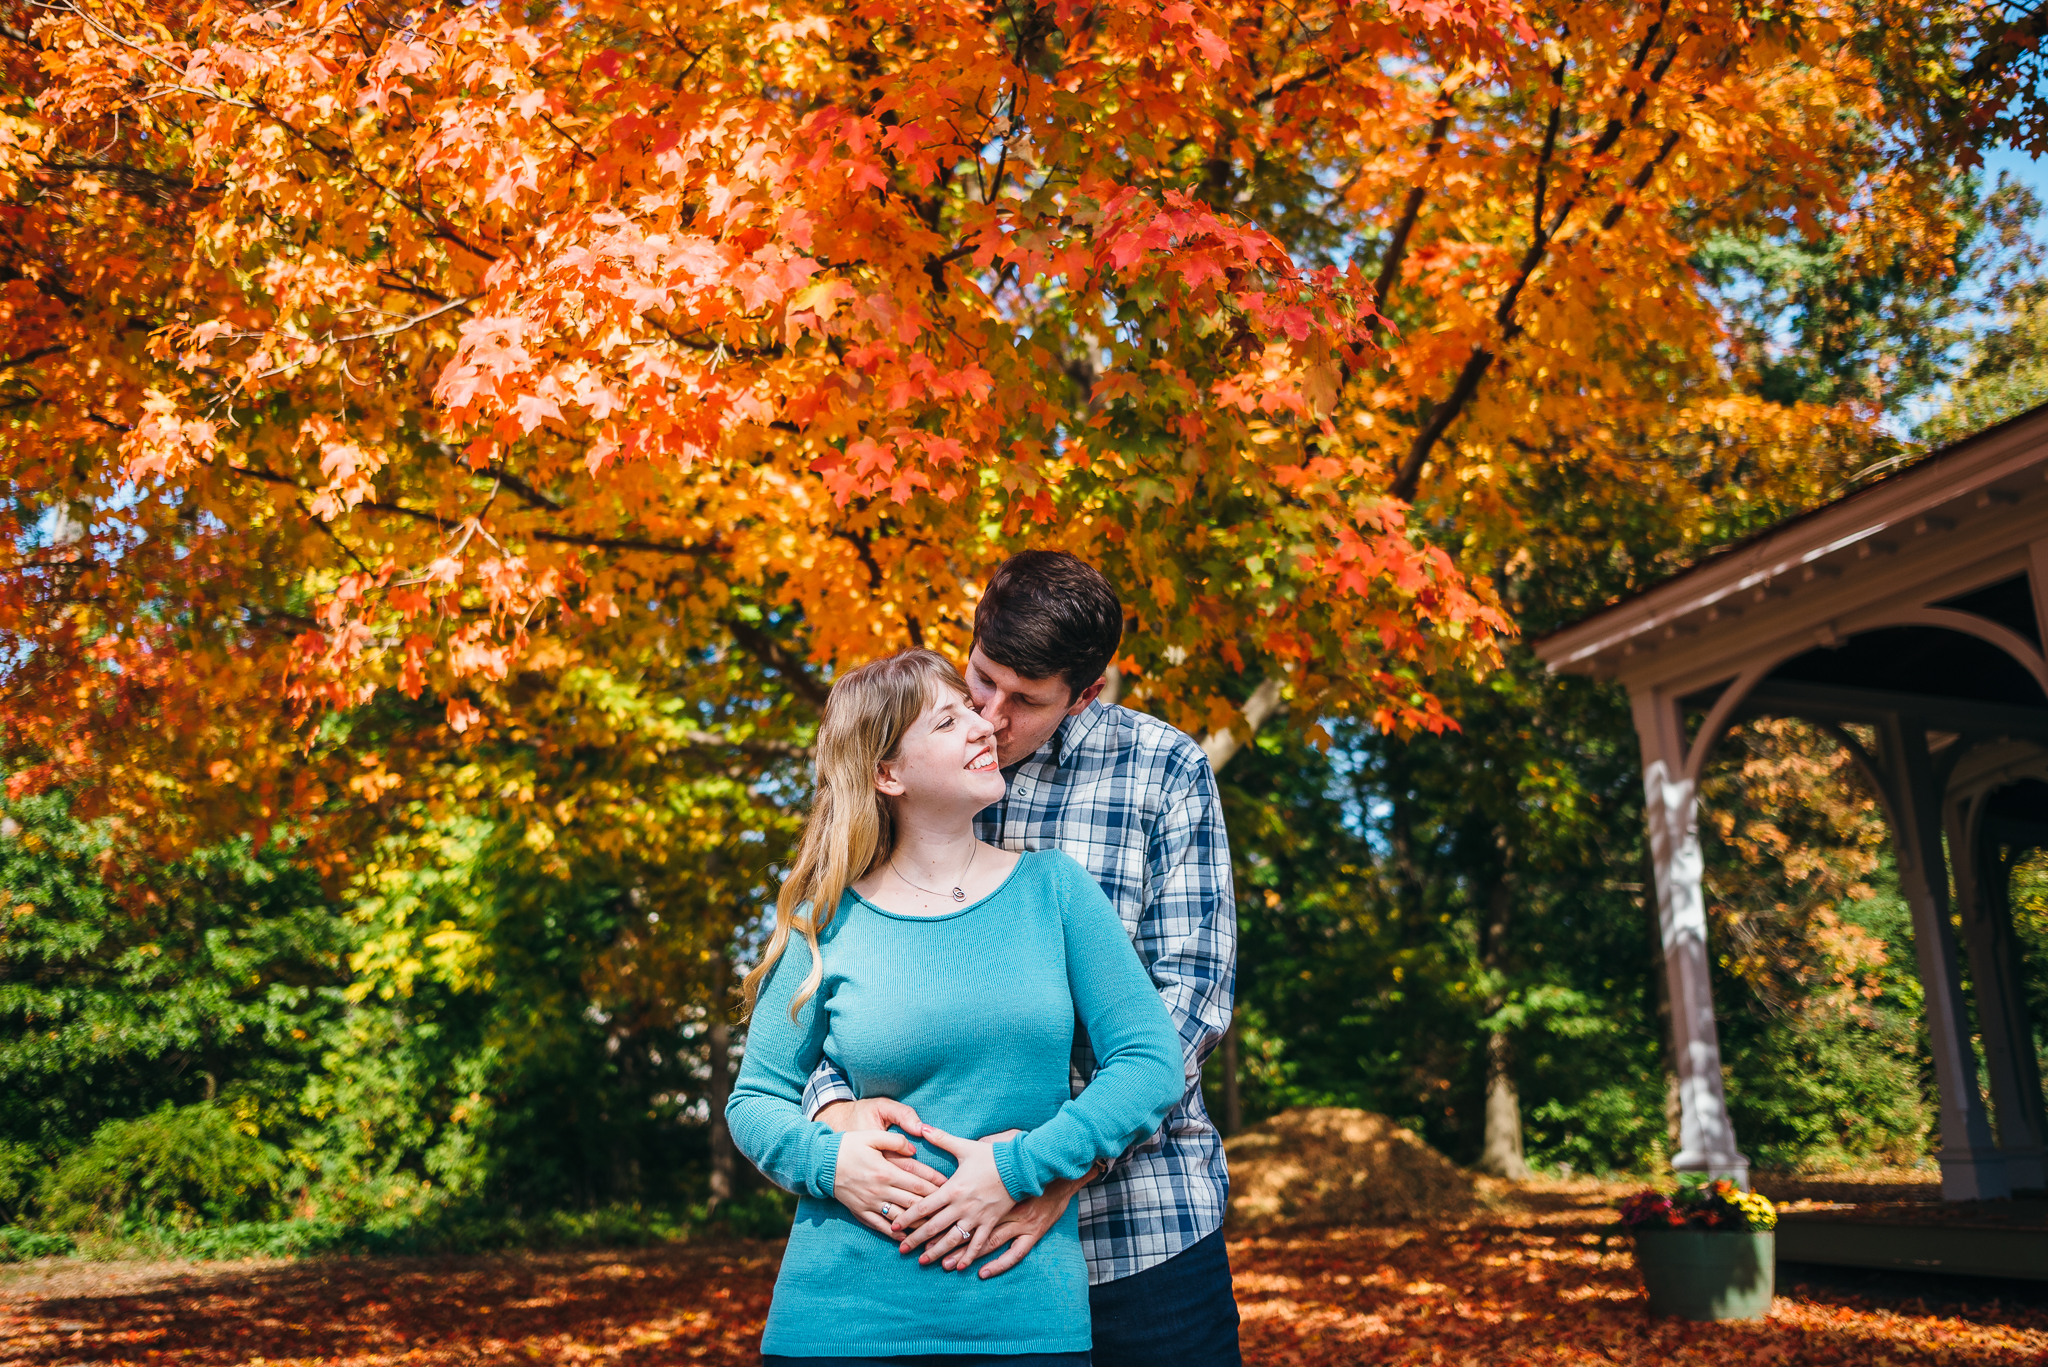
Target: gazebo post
<point x="1706" y="1138"/>
<point x="1983" y="896"/>
<point x="1971" y="1167"/>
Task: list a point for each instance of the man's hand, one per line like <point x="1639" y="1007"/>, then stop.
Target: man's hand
<point x="1025" y="1225"/>
<point x="870" y="1113"/>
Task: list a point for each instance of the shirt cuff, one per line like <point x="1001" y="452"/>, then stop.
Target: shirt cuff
<point x="819" y="1095"/>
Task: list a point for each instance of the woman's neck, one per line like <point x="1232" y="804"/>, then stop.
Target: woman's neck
<point x="936" y="857"/>
<point x="933" y="846"/>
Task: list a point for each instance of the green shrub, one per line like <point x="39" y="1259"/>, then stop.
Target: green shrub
<point x="1619" y="1127"/>
<point x="21" y="1171"/>
<point x="178" y="1165"/>
<point x="19" y="1245"/>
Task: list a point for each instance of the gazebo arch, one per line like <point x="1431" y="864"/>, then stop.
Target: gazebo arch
<point x="1916" y="608"/>
<point x="2004" y="638"/>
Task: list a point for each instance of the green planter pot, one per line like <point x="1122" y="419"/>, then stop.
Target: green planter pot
<point x="1708" y="1274"/>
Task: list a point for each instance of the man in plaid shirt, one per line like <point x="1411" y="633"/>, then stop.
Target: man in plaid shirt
<point x="1134" y="801"/>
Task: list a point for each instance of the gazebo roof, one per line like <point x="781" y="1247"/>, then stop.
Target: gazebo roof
<point x="1947" y="542"/>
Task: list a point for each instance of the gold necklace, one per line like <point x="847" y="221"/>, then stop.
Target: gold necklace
<point x="959" y="892"/>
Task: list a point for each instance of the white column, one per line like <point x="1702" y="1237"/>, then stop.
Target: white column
<point x="1706" y="1137"/>
<point x="1971" y="1167"/>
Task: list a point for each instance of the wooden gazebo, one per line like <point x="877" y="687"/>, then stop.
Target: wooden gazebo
<point x="1907" y="619"/>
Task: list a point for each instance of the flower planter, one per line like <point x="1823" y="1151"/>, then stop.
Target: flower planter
<point x="1708" y="1274"/>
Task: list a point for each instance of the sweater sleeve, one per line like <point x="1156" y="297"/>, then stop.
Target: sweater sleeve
<point x="1138" y="1057"/>
<point x="765" y="1112"/>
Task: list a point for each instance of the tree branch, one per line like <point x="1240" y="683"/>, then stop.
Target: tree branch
<point x="781" y="659"/>
<point x="1635" y="185"/>
<point x="526" y="493"/>
<point x="764" y="749"/>
<point x="1409" y="477"/>
<point x="28" y="357"/>
<point x="862" y="543"/>
<point x="596" y="543"/>
<point x="624" y="543"/>
<point x="1397" y="245"/>
<point x="1549" y="150"/>
<point x="1410" y="474"/>
<point x="2011" y="42"/>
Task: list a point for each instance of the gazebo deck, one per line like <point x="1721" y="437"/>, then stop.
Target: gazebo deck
<point x="1905" y="1225"/>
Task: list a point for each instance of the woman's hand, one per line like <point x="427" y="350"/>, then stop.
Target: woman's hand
<point x="878" y="1168"/>
<point x="960" y="1217"/>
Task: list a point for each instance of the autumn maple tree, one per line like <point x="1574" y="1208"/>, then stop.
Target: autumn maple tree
<point x="439" y="351"/>
<point x="591" y="381"/>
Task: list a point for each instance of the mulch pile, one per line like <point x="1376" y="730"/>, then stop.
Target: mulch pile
<point x="1333" y="1166"/>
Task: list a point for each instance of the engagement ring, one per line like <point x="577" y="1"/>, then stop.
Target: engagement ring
<point x="885" y="1210"/>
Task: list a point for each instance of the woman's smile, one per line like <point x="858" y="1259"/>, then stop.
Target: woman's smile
<point x="983" y="759"/>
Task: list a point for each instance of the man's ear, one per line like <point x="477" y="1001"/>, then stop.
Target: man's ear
<point x="886" y="782"/>
<point x="1086" y="696"/>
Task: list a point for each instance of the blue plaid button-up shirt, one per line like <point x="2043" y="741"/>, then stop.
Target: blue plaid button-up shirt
<point x="1133" y="800"/>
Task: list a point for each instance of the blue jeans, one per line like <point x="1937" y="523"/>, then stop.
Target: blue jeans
<point x="1181" y="1313"/>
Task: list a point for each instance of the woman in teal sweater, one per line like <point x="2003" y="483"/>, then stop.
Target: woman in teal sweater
<point x="948" y="974"/>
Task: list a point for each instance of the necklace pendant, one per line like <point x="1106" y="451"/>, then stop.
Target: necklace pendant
<point x="959" y="894"/>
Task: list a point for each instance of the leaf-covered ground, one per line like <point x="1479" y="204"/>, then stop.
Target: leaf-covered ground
<point x="1545" y="1285"/>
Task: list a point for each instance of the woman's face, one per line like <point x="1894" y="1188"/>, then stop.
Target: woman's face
<point x="947" y="758"/>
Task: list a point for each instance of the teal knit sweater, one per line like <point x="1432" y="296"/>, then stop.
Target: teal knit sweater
<point x="970" y="1019"/>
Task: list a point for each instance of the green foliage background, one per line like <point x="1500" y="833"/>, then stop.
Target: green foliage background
<point x="423" y="1062"/>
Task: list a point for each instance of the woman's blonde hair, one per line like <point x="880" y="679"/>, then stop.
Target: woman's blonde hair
<point x="850" y="828"/>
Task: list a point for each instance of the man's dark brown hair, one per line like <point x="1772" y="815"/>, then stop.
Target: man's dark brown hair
<point x="1048" y="613"/>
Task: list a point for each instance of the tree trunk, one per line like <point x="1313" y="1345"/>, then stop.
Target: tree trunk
<point x="723" y="1167"/>
<point x="1500" y="1151"/>
<point x="1221" y="747"/>
<point x="1258" y="709"/>
<point x="1233" y="1111"/>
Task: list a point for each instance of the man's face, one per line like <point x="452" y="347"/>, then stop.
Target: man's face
<point x="1024" y="712"/>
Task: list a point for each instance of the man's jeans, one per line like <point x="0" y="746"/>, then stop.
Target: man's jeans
<point x="1181" y="1313"/>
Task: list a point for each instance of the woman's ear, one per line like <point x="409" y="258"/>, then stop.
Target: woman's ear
<point x="886" y="782"/>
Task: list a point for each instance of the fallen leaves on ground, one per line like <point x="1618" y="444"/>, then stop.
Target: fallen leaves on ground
<point x="1548" y="1282"/>
<point x="680" y="1303"/>
<point x="1558" y="1286"/>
